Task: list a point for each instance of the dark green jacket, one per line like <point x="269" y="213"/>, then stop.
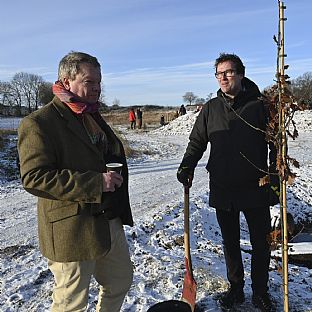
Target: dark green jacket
<point x="61" y="166"/>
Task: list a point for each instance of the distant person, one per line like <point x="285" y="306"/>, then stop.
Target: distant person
<point x="234" y="123"/>
<point x="63" y="148"/>
<point x="182" y="110"/>
<point x="162" y="120"/>
<point x="132" y="118"/>
<point x="139" y="118"/>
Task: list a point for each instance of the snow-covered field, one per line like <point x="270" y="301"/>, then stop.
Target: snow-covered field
<point x="156" y="240"/>
<point x="10" y="123"/>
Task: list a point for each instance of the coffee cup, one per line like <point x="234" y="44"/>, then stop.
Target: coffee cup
<point x="117" y="167"/>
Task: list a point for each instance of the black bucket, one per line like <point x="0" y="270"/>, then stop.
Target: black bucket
<point x="171" y="306"/>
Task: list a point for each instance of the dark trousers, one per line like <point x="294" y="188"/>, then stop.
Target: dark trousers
<point x="132" y="124"/>
<point x="259" y="224"/>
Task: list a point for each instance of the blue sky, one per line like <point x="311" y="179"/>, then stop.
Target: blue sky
<point x="153" y="51"/>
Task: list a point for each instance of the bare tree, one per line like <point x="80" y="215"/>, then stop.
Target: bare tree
<point x="209" y="96"/>
<point x="189" y="97"/>
<point x="16" y="92"/>
<point x="36" y="83"/>
<point x="45" y="93"/>
<point x="6" y="94"/>
<point x="22" y="87"/>
<point x="116" y="103"/>
<point x="27" y="86"/>
<point x="200" y="101"/>
<point x="102" y="99"/>
<point x="302" y="88"/>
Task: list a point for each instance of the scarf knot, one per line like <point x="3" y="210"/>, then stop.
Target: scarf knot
<point x="71" y="100"/>
<point x="84" y="110"/>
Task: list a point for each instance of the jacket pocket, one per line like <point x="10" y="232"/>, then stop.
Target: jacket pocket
<point x="62" y="210"/>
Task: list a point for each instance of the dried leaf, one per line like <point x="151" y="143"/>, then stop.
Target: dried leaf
<point x="291" y="179"/>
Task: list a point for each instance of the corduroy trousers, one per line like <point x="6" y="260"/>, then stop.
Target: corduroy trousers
<point x="113" y="272"/>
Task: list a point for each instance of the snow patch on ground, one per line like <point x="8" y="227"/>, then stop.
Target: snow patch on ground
<point x="155" y="241"/>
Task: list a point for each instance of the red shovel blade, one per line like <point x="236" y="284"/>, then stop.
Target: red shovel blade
<point x="189" y="287"/>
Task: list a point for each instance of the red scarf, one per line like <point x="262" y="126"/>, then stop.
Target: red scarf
<point x="83" y="109"/>
<point x="71" y="100"/>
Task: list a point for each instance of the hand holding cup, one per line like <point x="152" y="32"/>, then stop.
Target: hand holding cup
<point x="112" y="178"/>
<point x="116" y="167"/>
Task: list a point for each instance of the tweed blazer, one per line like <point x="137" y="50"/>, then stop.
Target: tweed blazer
<point x="61" y="166"/>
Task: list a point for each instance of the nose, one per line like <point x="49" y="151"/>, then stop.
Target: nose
<point x="224" y="77"/>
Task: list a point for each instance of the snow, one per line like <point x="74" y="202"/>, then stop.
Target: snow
<point x="10" y="123"/>
<point x="156" y="240"/>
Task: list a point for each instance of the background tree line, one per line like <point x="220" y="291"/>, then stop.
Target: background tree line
<point x="25" y="90"/>
<point x="31" y="91"/>
<point x="301" y="88"/>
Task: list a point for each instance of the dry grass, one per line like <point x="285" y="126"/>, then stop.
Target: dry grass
<point x="130" y="152"/>
<point x="3" y="135"/>
<point x="150" y="118"/>
<point x="5" y="132"/>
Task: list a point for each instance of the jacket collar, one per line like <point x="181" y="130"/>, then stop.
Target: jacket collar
<point x="249" y="92"/>
<point x="73" y="124"/>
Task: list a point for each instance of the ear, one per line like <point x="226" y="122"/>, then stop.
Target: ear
<point x="66" y="83"/>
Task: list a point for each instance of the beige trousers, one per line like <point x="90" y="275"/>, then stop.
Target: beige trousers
<point x="114" y="273"/>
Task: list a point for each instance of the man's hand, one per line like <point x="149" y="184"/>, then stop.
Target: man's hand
<point x="273" y="187"/>
<point x="185" y="175"/>
<point x="111" y="180"/>
<point x="264" y="180"/>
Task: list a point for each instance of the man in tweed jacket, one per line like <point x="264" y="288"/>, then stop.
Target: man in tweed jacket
<point x="63" y="149"/>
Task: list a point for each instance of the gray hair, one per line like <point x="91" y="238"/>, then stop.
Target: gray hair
<point x="69" y="64"/>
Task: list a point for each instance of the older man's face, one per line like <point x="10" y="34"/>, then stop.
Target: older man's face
<point x="87" y="83"/>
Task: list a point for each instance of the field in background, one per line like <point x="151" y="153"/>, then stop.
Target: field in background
<point x="118" y="117"/>
<point x="150" y="118"/>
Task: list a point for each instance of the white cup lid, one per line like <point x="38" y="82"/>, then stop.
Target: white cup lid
<point x="114" y="165"/>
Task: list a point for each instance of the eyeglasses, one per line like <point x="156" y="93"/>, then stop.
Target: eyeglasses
<point x="226" y="73"/>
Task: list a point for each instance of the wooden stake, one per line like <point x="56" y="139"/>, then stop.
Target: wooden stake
<point x="283" y="149"/>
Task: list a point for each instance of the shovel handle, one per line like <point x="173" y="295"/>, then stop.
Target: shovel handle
<point x="187" y="249"/>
